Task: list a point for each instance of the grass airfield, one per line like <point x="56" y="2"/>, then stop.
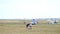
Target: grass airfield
<point x="36" y="29"/>
<point x="20" y="28"/>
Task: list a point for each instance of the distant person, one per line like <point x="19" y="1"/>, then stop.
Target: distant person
<point x="34" y="22"/>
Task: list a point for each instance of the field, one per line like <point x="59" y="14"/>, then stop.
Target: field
<point x="19" y="28"/>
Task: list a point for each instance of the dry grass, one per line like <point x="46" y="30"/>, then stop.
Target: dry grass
<point x="36" y="29"/>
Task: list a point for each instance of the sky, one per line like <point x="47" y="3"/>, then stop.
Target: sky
<point x="29" y="9"/>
